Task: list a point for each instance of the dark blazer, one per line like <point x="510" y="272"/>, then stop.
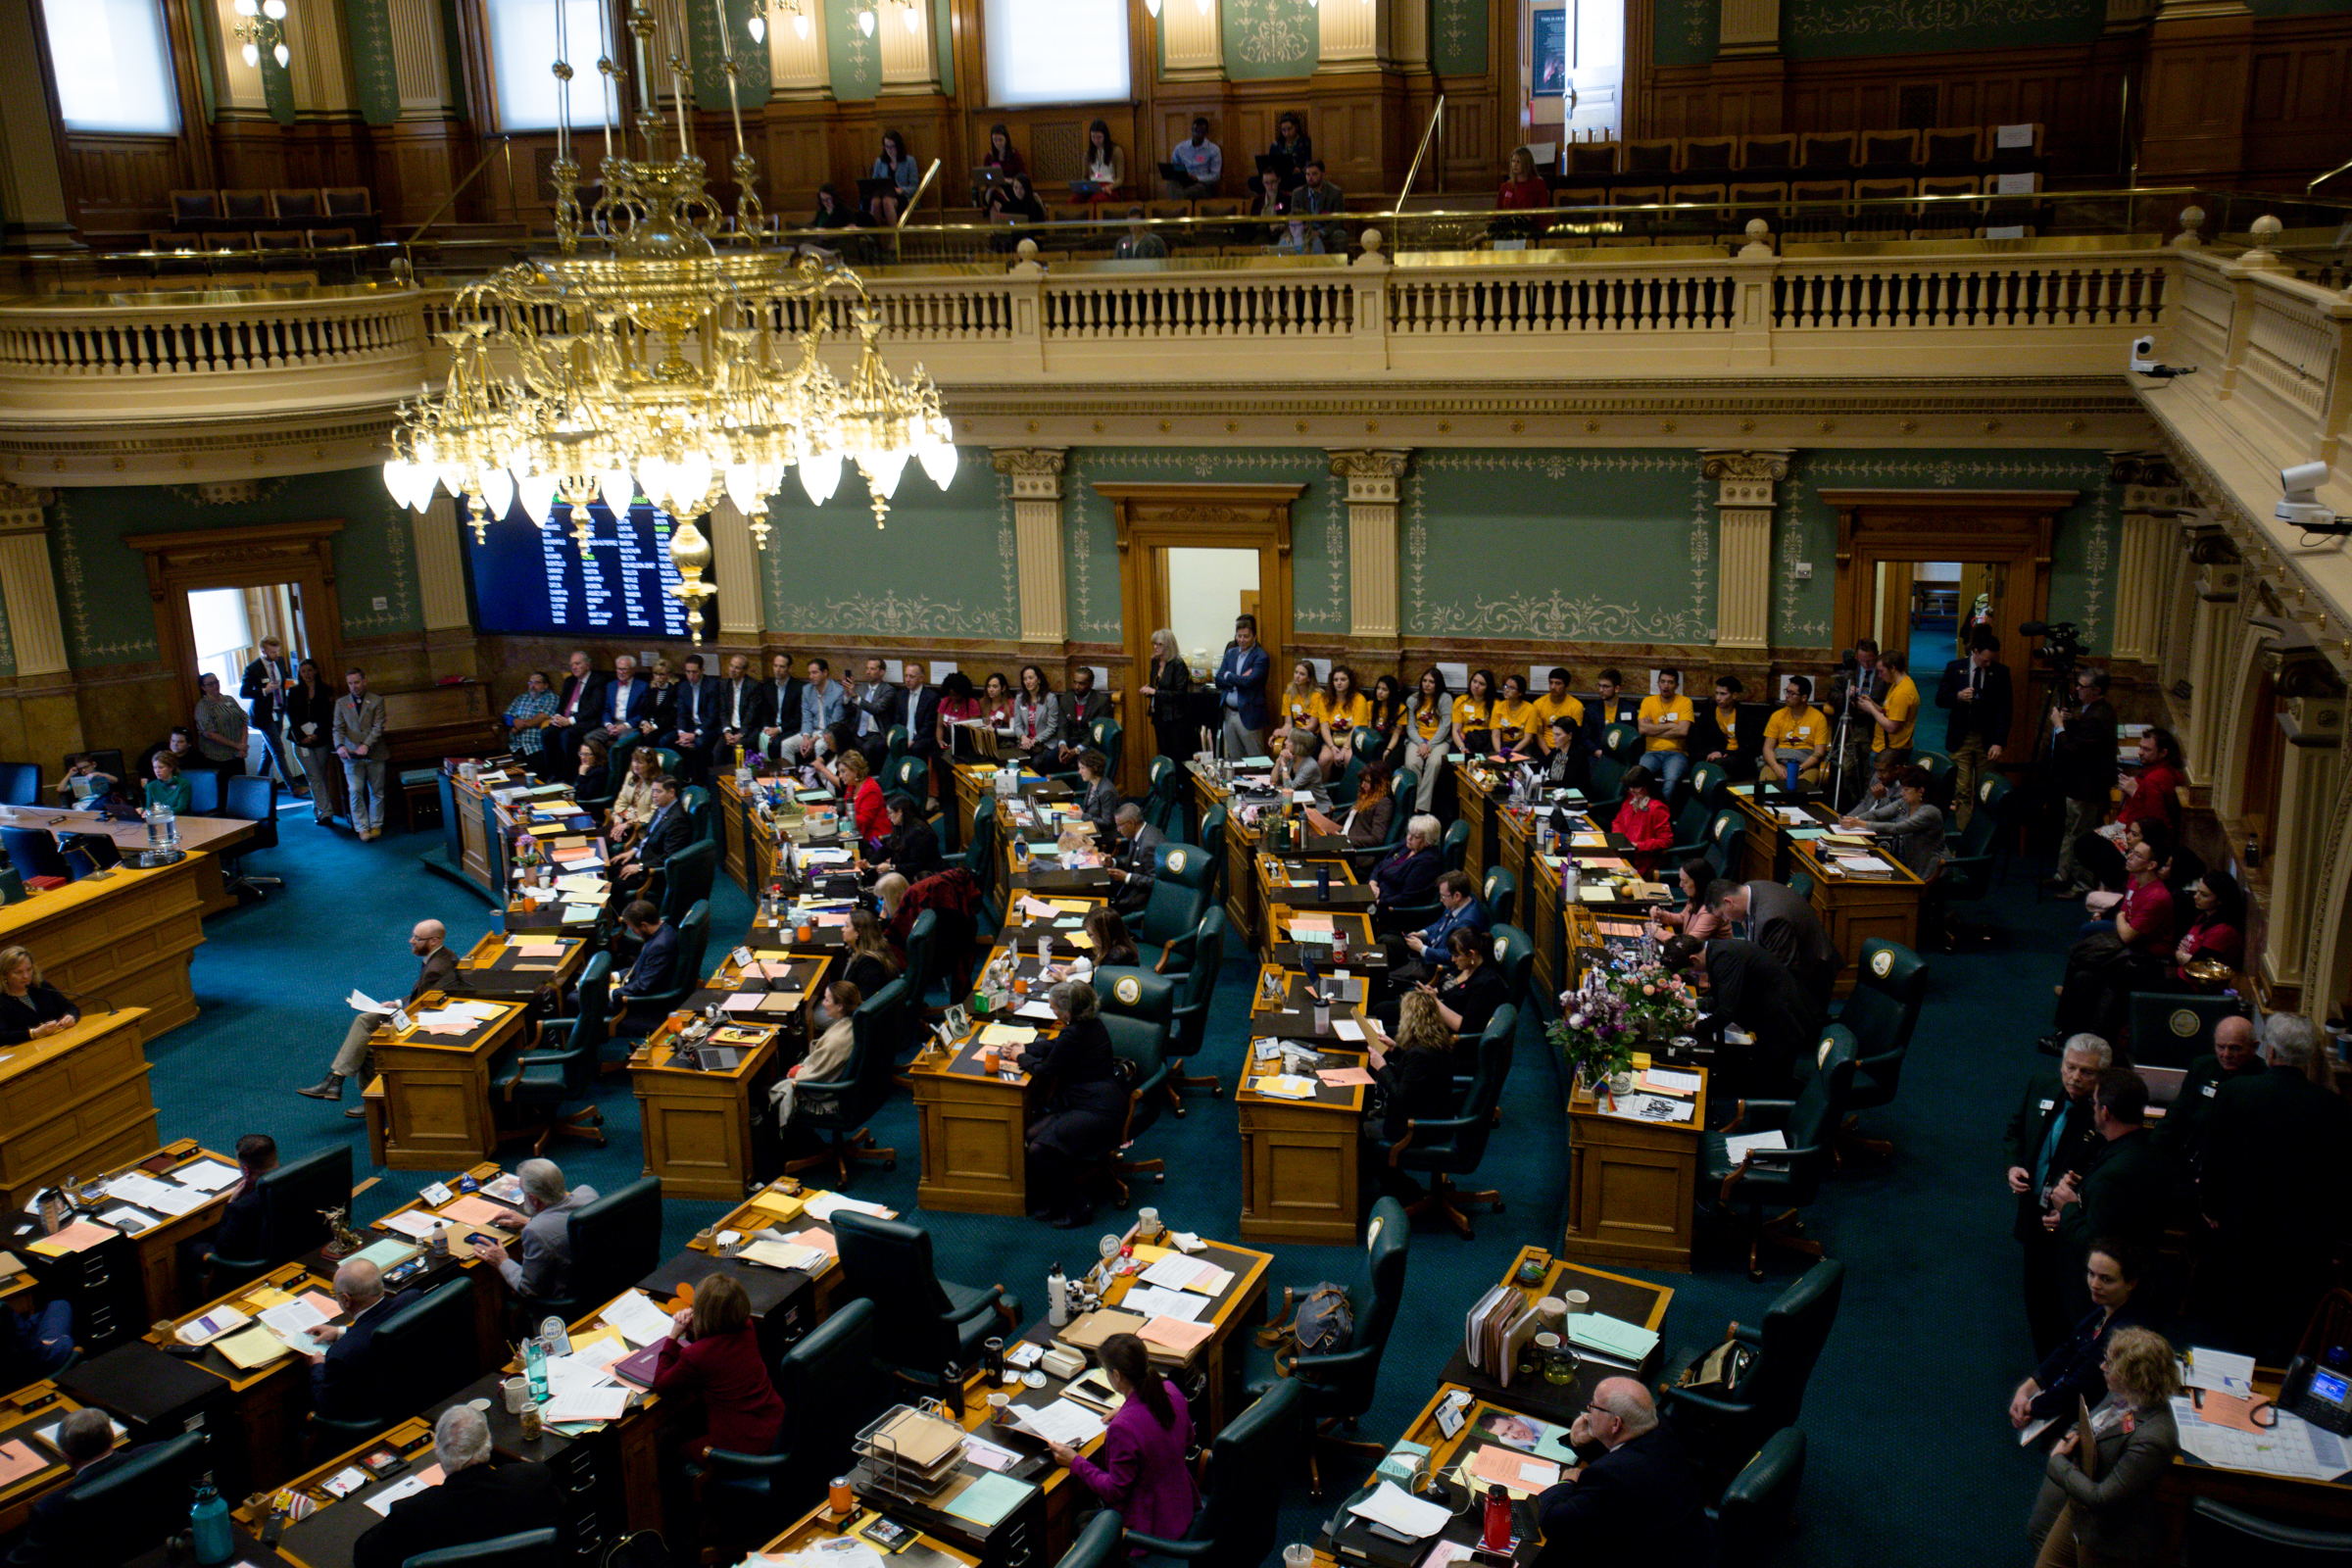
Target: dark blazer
<point x="921" y="716"/>
<point x="41" y="1005"/>
<point x="1747" y="728"/>
<point x="2270" y="1137"/>
<point x="1600" y="716"/>
<point x="913" y="851"/>
<point x="1087" y="1106"/>
<point x="2124" y="1190"/>
<point x="239" y="1233"/>
<point x="1407" y="876"/>
<point x="1986" y="716"/>
<point x="592" y="700"/>
<point x="1078" y="715"/>
<point x="627" y="706"/>
<point x="1784" y="926"/>
<point x="667" y="832"/>
<point x="481" y="1502"/>
<point x="884" y="703"/>
<point x="696" y="707"/>
<point x="1750" y="987"/>
<point x="438" y="972"/>
<point x="2116" y="1519"/>
<point x="304" y="707"/>
<point x="1637" y="1504"/>
<point x="1416" y="1085"/>
<point x="2082" y="754"/>
<point x="344" y="1383"/>
<point x="2074" y="1370"/>
<point x="754" y="707"/>
<point x="783" y="707"/>
<point x="50" y="1538"/>
<point x="2182" y="1134"/>
<point x="1244" y="675"/>
<point x="2044" y="1102"/>
<point x="657" y="965"/>
<point x="251" y="688"/>
<point x="1474" y="995"/>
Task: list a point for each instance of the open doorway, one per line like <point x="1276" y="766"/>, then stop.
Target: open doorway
<point x="1201" y="592"/>
<point x="1928" y="607"/>
<point x="229" y="630"/>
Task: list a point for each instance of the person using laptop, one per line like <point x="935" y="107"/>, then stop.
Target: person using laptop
<point x="1201" y="162"/>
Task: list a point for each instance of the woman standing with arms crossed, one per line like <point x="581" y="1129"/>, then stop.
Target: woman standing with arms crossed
<point x="1168" y="693"/>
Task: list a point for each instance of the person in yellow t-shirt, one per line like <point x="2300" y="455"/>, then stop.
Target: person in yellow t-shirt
<point x="1473" y="721"/>
<point x="1296" y="707"/>
<point x="1894" y="719"/>
<point x="1796" y="737"/>
<point x="1555" y="703"/>
<point x="1428" y="737"/>
<point x="1665" y="718"/>
<point x="1339" y="708"/>
<point x="1514" y="718"/>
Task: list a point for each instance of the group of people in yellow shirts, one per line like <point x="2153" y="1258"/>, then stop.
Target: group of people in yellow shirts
<point x="1316" y="718"/>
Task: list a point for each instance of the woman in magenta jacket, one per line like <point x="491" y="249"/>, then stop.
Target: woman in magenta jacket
<point x="713" y="1351"/>
<point x="1140" y="1469"/>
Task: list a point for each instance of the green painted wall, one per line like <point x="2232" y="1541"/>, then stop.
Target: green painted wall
<point x="1686" y="31"/>
<point x="1318" y="527"/>
<point x="102" y="583"/>
<point x="853" y="59"/>
<point x="711" y="64"/>
<point x="1575" y="546"/>
<point x="1823" y="30"/>
<point x="2083" y="553"/>
<point x="1269" y="39"/>
<point x="1458" y="37"/>
<point x="941" y="567"/>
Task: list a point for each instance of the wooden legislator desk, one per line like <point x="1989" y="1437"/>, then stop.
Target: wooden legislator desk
<point x="124" y="940"/>
<point x="205" y="839"/>
<point x="1242" y="841"/>
<point x="158" y="1243"/>
<point x="1851" y="909"/>
<point x="697" y="1121"/>
<point x="519" y="966"/>
<point x="1633" y="1185"/>
<point x="974" y="1119"/>
<point x="73" y="1102"/>
<point x="434" y="1090"/>
<point x="1300" y="1175"/>
<point x="816" y="1527"/>
<point x="466" y="1216"/>
<point x="266" y="1403"/>
<point x="1479" y="795"/>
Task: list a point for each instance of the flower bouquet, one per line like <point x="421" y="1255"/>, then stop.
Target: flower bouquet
<point x="1617" y="1013"/>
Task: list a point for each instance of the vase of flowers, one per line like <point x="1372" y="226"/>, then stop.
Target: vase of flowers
<point x="1617" y="1013"/>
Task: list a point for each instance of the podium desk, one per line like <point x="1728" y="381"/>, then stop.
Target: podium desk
<point x="437" y="1087"/>
<point x="697" y="1121"/>
<point x="1299" y="1174"/>
<point x="125" y="940"/>
<point x="1633" y="1185"/>
<point x="75" y="1103"/>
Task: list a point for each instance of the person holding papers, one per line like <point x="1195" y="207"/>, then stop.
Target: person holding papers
<point x="1140" y="1469"/>
<point x="545" y="1269"/>
<point x="713" y="1351"/>
<point x="343" y="1381"/>
<point x="1414" y="1072"/>
<point x="2111" y="1518"/>
<point x="1637" y="1502"/>
<point x="480" y="1498"/>
<point x="427" y="940"/>
<point x="1643" y="819"/>
<point x="31" y="1007"/>
<point x="2075" y="1370"/>
<point x="1085" y="1107"/>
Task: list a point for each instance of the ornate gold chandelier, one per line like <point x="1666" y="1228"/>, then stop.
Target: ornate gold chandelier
<point x="667" y="366"/>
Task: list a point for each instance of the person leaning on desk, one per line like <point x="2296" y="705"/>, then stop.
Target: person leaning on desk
<point x="86" y="1438"/>
<point x="31" y="1007"/>
<point x="545" y="1269"/>
<point x="480" y="1498"/>
<point x="1637" y="1502"/>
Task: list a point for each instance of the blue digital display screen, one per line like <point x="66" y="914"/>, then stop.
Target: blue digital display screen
<point x="535" y="580"/>
<point x="2327" y="1385"/>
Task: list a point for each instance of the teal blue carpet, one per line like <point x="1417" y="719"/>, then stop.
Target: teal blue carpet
<point x="1911" y="1458"/>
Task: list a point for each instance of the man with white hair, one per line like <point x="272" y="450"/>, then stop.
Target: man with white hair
<point x="2051" y="1136"/>
<point x="480" y="1498"/>
<point x="343" y="1380"/>
<point x="429" y="939"/>
<point x="1637" y="1502"/>
<point x="545" y="1269"/>
<point x="2270" y="1187"/>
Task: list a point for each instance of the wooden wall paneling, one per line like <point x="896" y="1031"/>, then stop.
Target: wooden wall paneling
<point x="416" y="164"/>
<point x="795" y="148"/>
<point x="123" y="182"/>
<point x="2299" y="74"/>
<point x="2193" y="119"/>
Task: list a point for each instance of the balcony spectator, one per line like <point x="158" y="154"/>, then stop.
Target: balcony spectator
<point x="1202" y="163"/>
<point x="894" y="165"/>
<point x="999" y="163"/>
<point x="1523" y="188"/>
<point x="1105" y="164"/>
<point x="831" y="212"/>
<point x="1140" y="244"/>
<point x="1291" y="142"/>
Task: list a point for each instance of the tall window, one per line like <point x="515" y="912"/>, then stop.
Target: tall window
<point x="112" y="61"/>
<point x="522" y="48"/>
<point x="1057" y="51"/>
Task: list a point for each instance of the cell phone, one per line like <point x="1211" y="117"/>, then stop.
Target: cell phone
<point x="890" y="1535"/>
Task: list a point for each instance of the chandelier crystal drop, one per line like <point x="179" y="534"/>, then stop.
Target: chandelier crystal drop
<point x="662" y="352"/>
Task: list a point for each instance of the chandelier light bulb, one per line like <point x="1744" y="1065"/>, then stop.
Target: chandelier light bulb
<point x="618" y="489"/>
<point x="1205" y="6"/>
<point x="882" y="470"/>
<point x="865" y="22"/>
<point x="757" y="27"/>
<point x="821" y="475"/>
<point x="938" y="462"/>
<point x="284" y="55"/>
<point x="396" y="477"/>
<point x="253" y="54"/>
<point x="274" y="10"/>
<point x="743" y="489"/>
<point x="689" y="483"/>
<point x="497" y="491"/>
<point x="538" y="497"/>
<point x="914" y="20"/>
<point x="249" y="8"/>
<point x="799" y="23"/>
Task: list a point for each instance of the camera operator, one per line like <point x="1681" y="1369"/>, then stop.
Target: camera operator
<point x="1862" y="677"/>
<point x="2082" y="767"/>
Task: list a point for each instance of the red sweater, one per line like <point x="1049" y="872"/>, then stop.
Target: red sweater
<point x="2157" y="795"/>
<point x="1650" y="827"/>
<point x="873" y="819"/>
<point x="741" y="1407"/>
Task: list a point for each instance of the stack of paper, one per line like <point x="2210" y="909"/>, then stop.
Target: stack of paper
<point x="406" y="1485"/>
<point x="1285" y="1086"/>
<point x="209" y="1326"/>
<point x="1611" y="1337"/>
<point x="1064" y="1421"/>
<point x="1740" y="1144"/>
<point x="1392" y="1507"/>
<point x="206" y="1175"/>
<point x="824" y="1205"/>
<point x="638" y="1319"/>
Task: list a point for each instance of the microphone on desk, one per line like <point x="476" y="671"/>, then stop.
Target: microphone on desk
<point x="81" y="1003"/>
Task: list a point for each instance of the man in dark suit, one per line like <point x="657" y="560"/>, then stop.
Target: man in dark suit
<point x="2082" y="765"/>
<point x="1783" y="924"/>
<point x="742" y="708"/>
<point x="1747" y="985"/>
<point x="1136" y="861"/>
<point x="240" y="1231"/>
<point x="1637" y="1502"/>
<point x="2275" y="1144"/>
<point x="1611" y="704"/>
<point x="263" y="687"/>
<point x="695" y="711"/>
<point x="1081" y="706"/>
<point x="874" y="706"/>
<point x="2121" y="1190"/>
<point x="665" y="832"/>
<point x="782" y="714"/>
<point x="2050" y="1138"/>
<point x="1975" y="691"/>
<point x="480" y="1498"/>
<point x="344" y="1385"/>
<point x="86" y="1438"/>
<point x="654" y="971"/>
<point x="918" y="711"/>
<point x="577" y="706"/>
<point x="2181" y="1135"/>
<point x="438" y="971"/>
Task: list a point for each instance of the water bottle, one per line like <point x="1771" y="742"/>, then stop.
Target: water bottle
<point x="534" y="1367"/>
<point x="1323" y="881"/>
<point x="1570" y="882"/>
<point x="1057" y="1299"/>
<point x="209" y="1537"/>
<point x="162" y="829"/>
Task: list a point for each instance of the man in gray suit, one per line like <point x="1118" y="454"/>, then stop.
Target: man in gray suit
<point x="545" y="1269"/>
<point x="427" y="940"/>
<point x="1783" y="925"/>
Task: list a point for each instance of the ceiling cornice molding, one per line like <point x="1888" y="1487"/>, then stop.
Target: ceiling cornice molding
<point x="196" y="452"/>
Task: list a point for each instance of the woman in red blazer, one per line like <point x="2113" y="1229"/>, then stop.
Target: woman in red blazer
<point x="713" y="1351"/>
<point x="1642" y="819"/>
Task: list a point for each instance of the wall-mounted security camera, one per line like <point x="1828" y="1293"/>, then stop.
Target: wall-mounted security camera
<point x="2301" y="505"/>
<point x="2144" y="361"/>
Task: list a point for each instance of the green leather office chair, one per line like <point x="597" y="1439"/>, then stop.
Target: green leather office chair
<point x="1499" y="892"/>
<point x="1444" y="1148"/>
<point x="1758" y="1510"/>
<point x="838" y="1109"/>
<point x="894" y="748"/>
<point x="922" y="963"/>
<point x="1339" y="1387"/>
<point x="1515" y="952"/>
<point x="1970" y="866"/>
<point x="1625" y="743"/>
<point x="1138" y="1011"/>
<point x="132" y="1507"/>
<point x="1241" y="1510"/>
<point x="701" y="811"/>
<point x="1706" y="784"/>
<point x="1212" y="838"/>
<point x="1167" y="931"/>
<point x="828" y="1385"/>
<point x="1099" y="1544"/>
<point x="425" y="1351"/>
<point x="927" y="1331"/>
<point x="1722" y="1431"/>
<point x="523" y="1548"/>
<point x="615" y="1242"/>
<point x="1942" y="775"/>
<point x="686" y="878"/>
<point x="2172" y="1029"/>
<point x="1880" y="1013"/>
<point x="1163" y="797"/>
<point x="294" y="1199"/>
<point x="694" y="943"/>
<point x="564" y="1067"/>
<point x="1790" y="1179"/>
<point x="1190" y="1019"/>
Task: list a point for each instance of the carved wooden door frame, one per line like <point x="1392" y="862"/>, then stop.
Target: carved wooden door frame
<point x="299" y="552"/>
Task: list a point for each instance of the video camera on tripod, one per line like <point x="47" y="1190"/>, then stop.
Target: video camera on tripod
<point x="2062" y="644"/>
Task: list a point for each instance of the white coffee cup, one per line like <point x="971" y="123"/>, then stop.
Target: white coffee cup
<point x="1578" y="1302"/>
<point x="518" y="1392"/>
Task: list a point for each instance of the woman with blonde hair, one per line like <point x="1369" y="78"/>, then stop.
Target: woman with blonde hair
<point x="29" y="1006"/>
<point x="2111" y="1519"/>
<point x="1168" y="693"/>
<point x="1412" y="1073"/>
